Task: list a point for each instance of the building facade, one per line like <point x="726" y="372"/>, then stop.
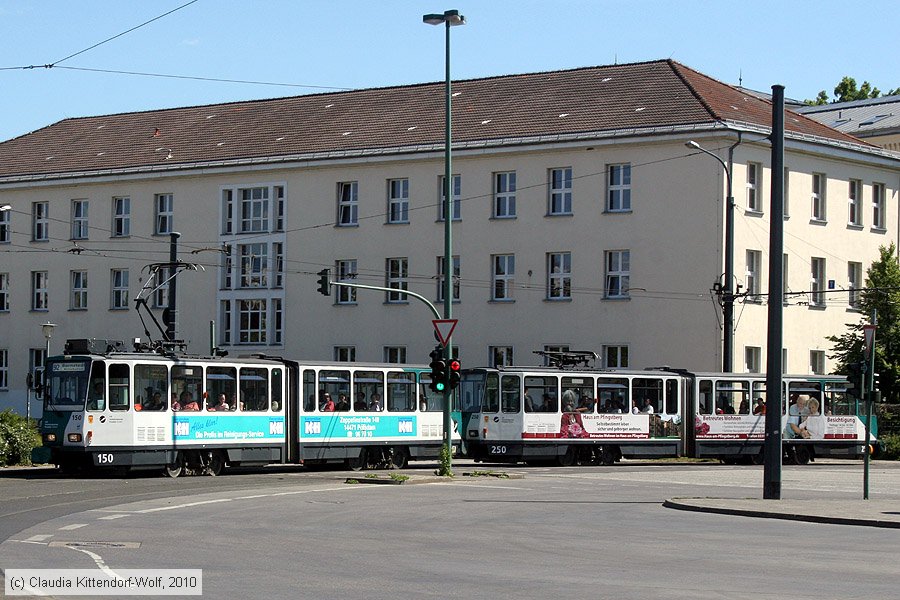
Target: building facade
<point x="580" y="221"/>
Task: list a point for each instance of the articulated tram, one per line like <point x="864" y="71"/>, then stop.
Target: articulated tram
<point x="552" y="415"/>
<point x="105" y="406"/>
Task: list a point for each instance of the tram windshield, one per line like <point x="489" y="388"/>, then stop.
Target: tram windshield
<point x="67" y="384"/>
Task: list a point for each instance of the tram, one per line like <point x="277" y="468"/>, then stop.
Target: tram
<point x="107" y="406"/>
<point x="541" y="415"/>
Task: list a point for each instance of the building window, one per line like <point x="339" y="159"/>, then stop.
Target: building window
<point x="161" y="288"/>
<point x="752" y="359"/>
<point x="345" y="353"/>
<point x="754" y="274"/>
<point x="4" y="227"/>
<point x="817" y="362"/>
<point x="396" y="277"/>
<point x="454" y="198"/>
<point x="277" y="265"/>
<point x="348" y="204"/>
<point x="79" y="219"/>
<point x="345" y="270"/>
<point x="36" y="360"/>
<point x="854" y="201"/>
<point x="618" y="194"/>
<point x="505" y="195"/>
<point x="254" y="209"/>
<point x="502" y="276"/>
<point x="854" y="281"/>
<point x="615" y="357"/>
<point x="818" y="196"/>
<point x="4" y="292"/>
<point x="395" y="354"/>
<point x="559" y="276"/>
<point x="280" y="205"/>
<point x="121" y="226"/>
<point x="500" y="356"/>
<point x="560" y="192"/>
<point x="398" y="201"/>
<point x="440" y="278"/>
<point x="119" y="288"/>
<point x="78" y="296"/>
<point x="817" y="283"/>
<point x="40" y="221"/>
<point x="227" y="267"/>
<point x="254" y="265"/>
<point x="4" y="369"/>
<point x="225" y="320"/>
<point x="754" y="199"/>
<point x="165" y="213"/>
<point x="618" y="273"/>
<point x="39" y="294"/>
<point x="878" y="206"/>
<point x="278" y="319"/>
<point x="252" y="316"/>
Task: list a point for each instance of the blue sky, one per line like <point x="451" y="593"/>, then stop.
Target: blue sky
<point x="804" y="45"/>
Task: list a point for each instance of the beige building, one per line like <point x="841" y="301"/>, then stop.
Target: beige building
<point x="580" y="220"/>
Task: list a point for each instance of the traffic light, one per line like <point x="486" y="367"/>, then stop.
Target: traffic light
<point x="438" y="370"/>
<point x="855" y="372"/>
<point x="453" y="374"/>
<point x="324" y="285"/>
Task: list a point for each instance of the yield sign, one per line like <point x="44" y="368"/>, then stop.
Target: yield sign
<point x="444" y="329"/>
<point x="869" y="331"/>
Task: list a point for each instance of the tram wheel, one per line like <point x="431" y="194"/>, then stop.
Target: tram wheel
<point x="568" y="458"/>
<point x="399" y="458"/>
<point x="607" y="456"/>
<point x="216" y="464"/>
<point x="176" y="468"/>
<point x="758" y="459"/>
<point x="356" y="463"/>
<point x="799" y="455"/>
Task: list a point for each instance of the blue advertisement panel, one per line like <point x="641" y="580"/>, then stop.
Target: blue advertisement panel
<point x="195" y="428"/>
<point x="357" y="426"/>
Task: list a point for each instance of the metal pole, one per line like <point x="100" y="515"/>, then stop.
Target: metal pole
<point x="448" y="242"/>
<point x="772" y="464"/>
<point x="869" y="387"/>
<point x="172" y="314"/>
<point x="728" y="292"/>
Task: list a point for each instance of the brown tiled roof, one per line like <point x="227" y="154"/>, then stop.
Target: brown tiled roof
<point x="657" y="94"/>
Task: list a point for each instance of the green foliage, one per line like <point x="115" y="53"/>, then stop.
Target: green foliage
<point x="882" y="297"/>
<point x="446" y="459"/>
<point x="399" y="477"/>
<point x="847" y="90"/>
<point x="890" y="447"/>
<point x="17" y="438"/>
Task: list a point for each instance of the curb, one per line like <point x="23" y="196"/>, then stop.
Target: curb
<point x="685" y="504"/>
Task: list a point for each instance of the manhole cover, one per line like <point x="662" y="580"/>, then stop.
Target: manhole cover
<point x="95" y="544"/>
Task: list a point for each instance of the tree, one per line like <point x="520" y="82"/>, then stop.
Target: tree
<point x="882" y="297"/>
<point x="846" y="91"/>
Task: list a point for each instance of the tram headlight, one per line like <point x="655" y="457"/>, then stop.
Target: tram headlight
<point x="50" y="437"/>
<point x="75" y="438"/>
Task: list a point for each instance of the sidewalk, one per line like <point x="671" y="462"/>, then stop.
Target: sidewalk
<point x="866" y="513"/>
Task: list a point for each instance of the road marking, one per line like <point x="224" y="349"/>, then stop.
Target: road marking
<point x="73" y="526"/>
<point x="39" y="538"/>
<point x="112" y="517"/>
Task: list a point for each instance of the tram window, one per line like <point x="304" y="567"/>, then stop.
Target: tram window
<point x="309" y="390"/>
<point x="510" y="399"/>
<point x="491" y="401"/>
<point x="331" y="385"/>
<point x="732" y="397"/>
<point x="578" y="394"/>
<point x="810" y="389"/>
<point x="470" y="391"/>
<point x="758" y="404"/>
<point x="545" y="389"/>
<point x="429" y="401"/>
<point x="118" y="387"/>
<point x="254" y="388"/>
<point x="837" y="400"/>
<point x="401" y="391"/>
<point x="187" y="387"/>
<point x="221" y="381"/>
<point x="648" y="395"/>
<point x="368" y="391"/>
<point x="277" y="385"/>
<point x="151" y="387"/>
<point x="97" y="387"/>
<point x="671" y="396"/>
<point x="612" y="395"/>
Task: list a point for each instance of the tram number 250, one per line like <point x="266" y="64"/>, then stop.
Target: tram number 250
<point x="105" y="458"/>
<point x="498" y="449"/>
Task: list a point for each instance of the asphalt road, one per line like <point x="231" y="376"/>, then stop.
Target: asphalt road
<point x="583" y="532"/>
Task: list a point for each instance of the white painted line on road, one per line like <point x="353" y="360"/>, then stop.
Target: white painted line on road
<point x="180" y="506"/>
<point x="112" y="517"/>
<point x="39" y="538"/>
<point x="73" y="526"/>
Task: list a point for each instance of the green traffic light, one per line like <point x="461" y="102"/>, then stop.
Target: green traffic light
<point x="440" y="386"/>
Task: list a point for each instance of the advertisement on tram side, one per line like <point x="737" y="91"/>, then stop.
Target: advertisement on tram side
<point x="575" y="425"/>
<point x="752" y="427"/>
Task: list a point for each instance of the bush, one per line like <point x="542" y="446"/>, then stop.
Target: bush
<point x="890" y="447"/>
<point x="17" y="438"/>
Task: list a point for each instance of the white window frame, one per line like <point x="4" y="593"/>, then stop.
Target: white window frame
<point x="854" y="203"/>
<point x="818" y="196"/>
<point x="817" y="362"/>
<point x="277" y="309"/>
<point x="254" y="260"/>
<point x="5" y="234"/>
<point x="440" y="278"/>
<point x="164" y="207"/>
<point x="253" y="206"/>
<point x="500" y="356"/>
<point x="455" y="198"/>
<point x="348" y="204"/>
<point x="4" y="369"/>
<point x="754" y="187"/>
<point x="225" y="317"/>
<point x="878" y="207"/>
<point x="121" y="216"/>
<point x="395" y="355"/>
<point x="396" y="275"/>
<point x="40" y="221"/>
<point x="280" y="208"/>
<point x="4" y="292"/>
<point x="161" y="287"/>
<point x="344" y="353"/>
<point x="118" y="289"/>
<point x="504" y="195"/>
<point x="79" y="290"/>
<point x="854" y="283"/>
<point x="753" y="280"/>
<point x="618" y="274"/>
<point x="559" y="276"/>
<point x="398" y="201"/>
<point x="80" y="229"/>
<point x="618" y="190"/>
<point x="559" y="201"/>
<point x="277" y="265"/>
<point x="39" y="290"/>
<point x="752" y="359"/>
<point x="345" y="270"/>
<point x="818" y="276"/>
<point x="615" y="356"/>
<point x="503" y="275"/>
<point x="253" y="319"/>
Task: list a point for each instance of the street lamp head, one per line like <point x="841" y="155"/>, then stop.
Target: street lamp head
<point x="451" y="17"/>
<point x="693" y="144"/>
<point x="47" y="329"/>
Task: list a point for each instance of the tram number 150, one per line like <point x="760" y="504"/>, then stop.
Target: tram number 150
<point x="105" y="458"/>
<point x="498" y="449"/>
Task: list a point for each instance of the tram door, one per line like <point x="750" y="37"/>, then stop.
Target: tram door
<point x="501" y="408"/>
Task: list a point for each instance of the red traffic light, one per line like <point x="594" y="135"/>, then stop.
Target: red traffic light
<point x="454" y="365"/>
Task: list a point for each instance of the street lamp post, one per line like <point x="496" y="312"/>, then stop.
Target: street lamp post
<point x="450" y="18"/>
<point x="47" y="330"/>
<point x="728" y="288"/>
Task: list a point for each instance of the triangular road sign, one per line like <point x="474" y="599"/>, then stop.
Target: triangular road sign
<point x="444" y="329"/>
